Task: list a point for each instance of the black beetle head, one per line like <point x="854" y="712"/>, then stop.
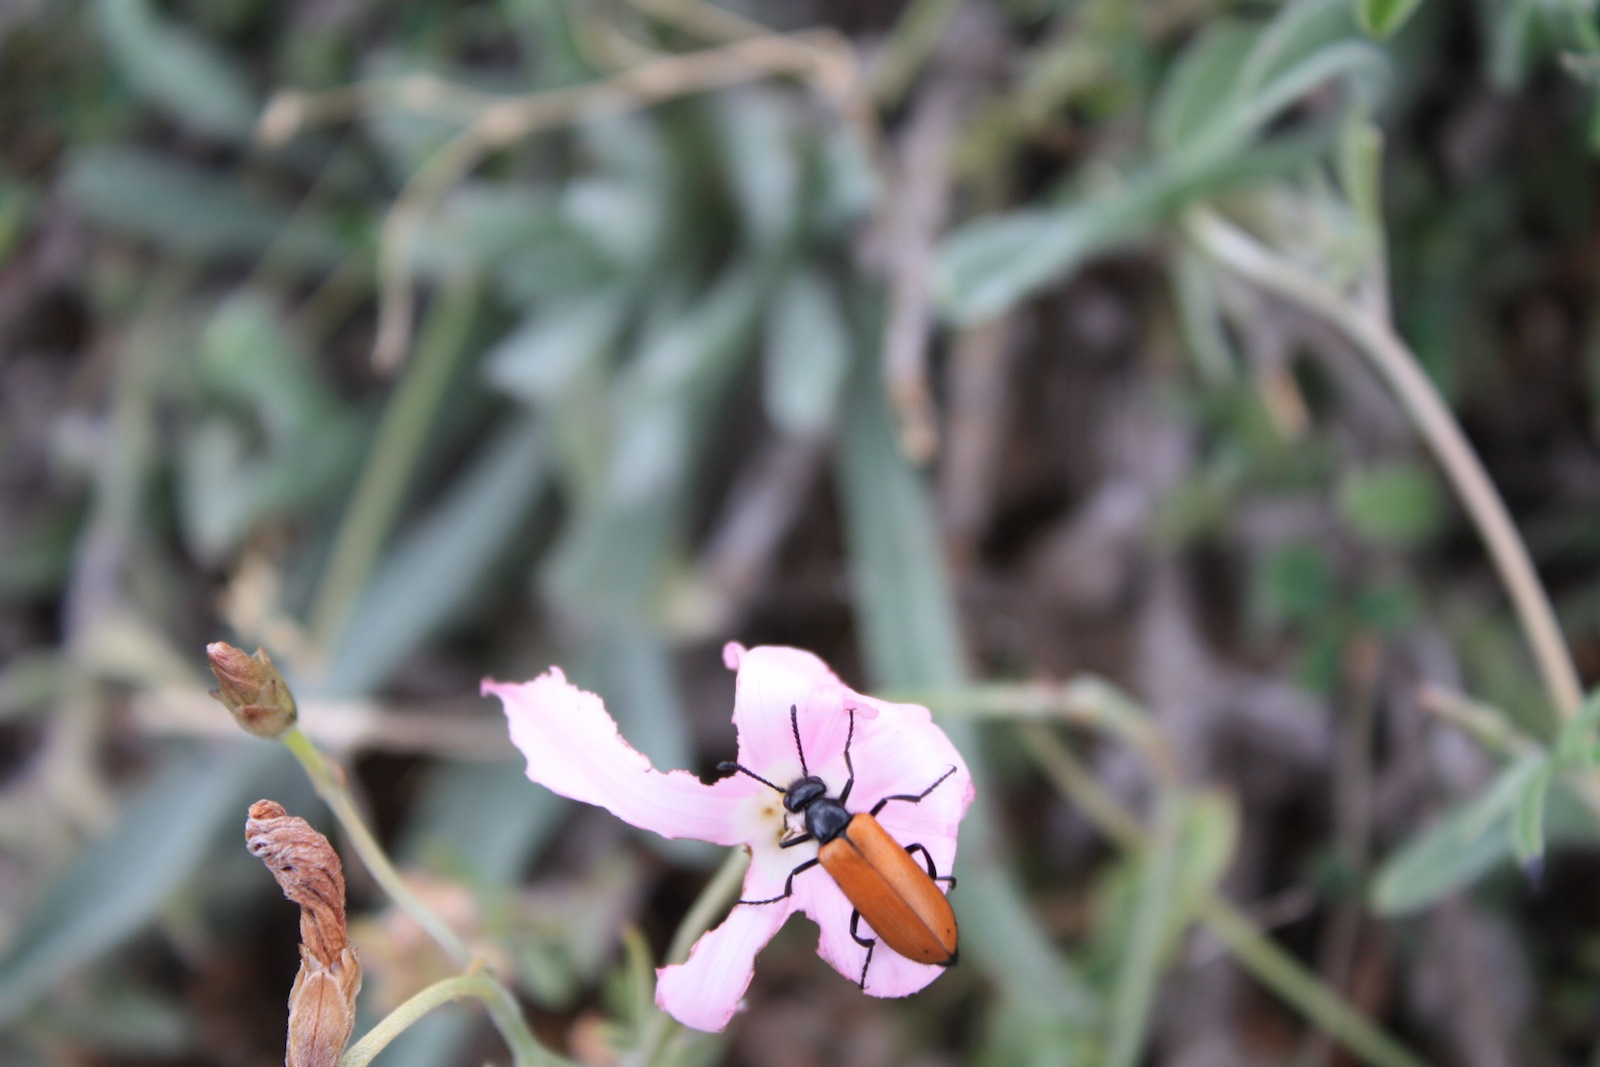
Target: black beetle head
<point x="804" y="792"/>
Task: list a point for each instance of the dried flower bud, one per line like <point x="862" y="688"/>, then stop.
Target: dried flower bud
<point x="322" y="1004"/>
<point x="252" y="689"/>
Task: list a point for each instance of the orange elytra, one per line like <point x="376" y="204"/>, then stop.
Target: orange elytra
<point x="896" y="895"/>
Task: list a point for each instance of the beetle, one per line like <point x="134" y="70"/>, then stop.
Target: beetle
<point x="884" y="885"/>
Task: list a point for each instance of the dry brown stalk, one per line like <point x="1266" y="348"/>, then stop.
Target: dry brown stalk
<point x="322" y="1004"/>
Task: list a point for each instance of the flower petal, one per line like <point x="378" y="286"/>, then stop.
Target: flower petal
<point x="573" y="748"/>
<point x="704" y="992"/>
<point x="772" y="679"/>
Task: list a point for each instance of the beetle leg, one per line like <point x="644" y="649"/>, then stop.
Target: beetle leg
<point x="788" y="884"/>
<point x="869" y="942"/>
<point x="914" y="798"/>
<point x="927" y="859"/>
<point x="790" y="842"/>
<point x="844" y="794"/>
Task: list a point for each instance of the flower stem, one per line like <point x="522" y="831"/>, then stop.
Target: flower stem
<point x="1374" y="336"/>
<point x="503" y="1011"/>
<point x="330" y="786"/>
<point x="712" y="901"/>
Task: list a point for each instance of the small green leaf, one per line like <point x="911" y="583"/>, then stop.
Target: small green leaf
<point x="429" y="579"/>
<point x="1458" y="848"/>
<point x="1399" y="504"/>
<point x="758" y="145"/>
<point x="177" y="69"/>
<point x="1382" y="18"/>
<point x="116" y="884"/>
<point x="807" y="354"/>
<point x="1528" y="828"/>
<point x="1295" y="583"/>
<point x="1196" y="96"/>
<point x="539" y="360"/>
<point x="183" y="208"/>
<point x="1142" y="956"/>
<point x="987" y="266"/>
<point x="1576" y="745"/>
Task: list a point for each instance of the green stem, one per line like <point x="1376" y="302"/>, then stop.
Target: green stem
<point x="503" y="1012"/>
<point x="1270" y="965"/>
<point x="1286" y="977"/>
<point x="387" y="474"/>
<point x="330" y="786"/>
<point x="713" y="901"/>
<point x="1374" y="336"/>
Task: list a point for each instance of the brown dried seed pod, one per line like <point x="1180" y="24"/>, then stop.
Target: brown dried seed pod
<point x="322" y="1004"/>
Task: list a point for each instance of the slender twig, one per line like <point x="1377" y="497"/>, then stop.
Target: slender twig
<point x="503" y="1011"/>
<point x="1086" y="700"/>
<point x="1375" y="337"/>
<point x="512" y="119"/>
<point x="330" y="786"/>
<point x="1486" y="723"/>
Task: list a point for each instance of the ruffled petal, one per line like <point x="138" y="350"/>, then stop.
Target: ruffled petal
<point x="573" y="748"/>
<point x="902" y="754"/>
<point x="704" y="992"/>
<point x="772" y="679"/>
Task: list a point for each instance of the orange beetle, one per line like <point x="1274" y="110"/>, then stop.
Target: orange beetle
<point x="897" y="897"/>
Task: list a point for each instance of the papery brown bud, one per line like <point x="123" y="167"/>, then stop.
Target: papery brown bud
<point x="322" y="1004"/>
<point x="252" y="689"/>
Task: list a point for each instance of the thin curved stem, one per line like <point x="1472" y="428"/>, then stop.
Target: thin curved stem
<point x="1260" y="955"/>
<point x="714" y="900"/>
<point x="330" y="786"/>
<point x="502" y="1008"/>
<point x="511" y="119"/>
<point x="1374" y="336"/>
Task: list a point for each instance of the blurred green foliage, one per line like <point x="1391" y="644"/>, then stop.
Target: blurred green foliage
<point x="630" y="318"/>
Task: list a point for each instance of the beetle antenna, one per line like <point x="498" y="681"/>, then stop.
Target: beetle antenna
<point x="794" y="722"/>
<point x="728" y="765"/>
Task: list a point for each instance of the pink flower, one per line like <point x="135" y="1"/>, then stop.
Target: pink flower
<point x="783" y="696"/>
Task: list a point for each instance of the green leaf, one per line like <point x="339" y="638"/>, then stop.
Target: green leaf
<point x="763" y="168"/>
<point x="538" y="361"/>
<point x="1459" y="848"/>
<point x="183" y="208"/>
<point x="1142" y="956"/>
<point x="1528" y="829"/>
<point x="1576" y="745"/>
<point x="292" y="444"/>
<point x="481" y="224"/>
<point x="115" y="885"/>
<point x="989" y="265"/>
<point x="177" y="69"/>
<point x="1196" y="95"/>
<point x="1295" y="583"/>
<point x="1382" y="18"/>
<point x="807" y="354"/>
<point x="439" y="568"/>
<point x="1399" y="504"/>
<point x="614" y="554"/>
